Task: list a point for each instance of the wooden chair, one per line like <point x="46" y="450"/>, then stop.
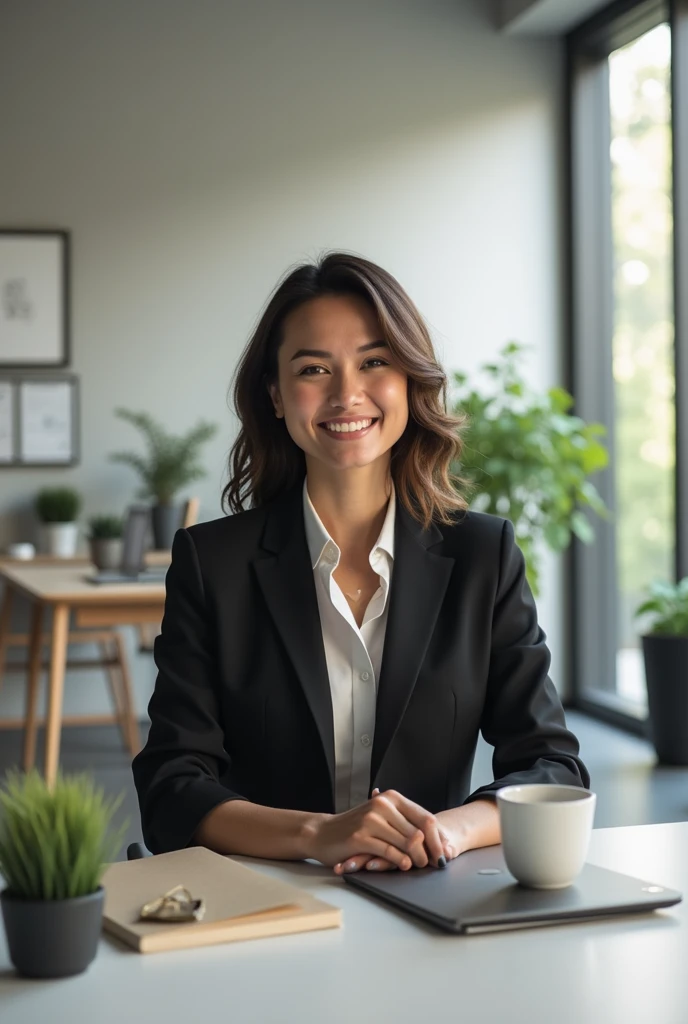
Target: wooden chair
<point x="113" y="659"/>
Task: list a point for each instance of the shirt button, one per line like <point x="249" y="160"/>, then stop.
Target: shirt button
<point x="365" y="676"/>
<point x="365" y="739"/>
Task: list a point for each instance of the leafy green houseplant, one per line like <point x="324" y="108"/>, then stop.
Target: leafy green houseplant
<point x="170" y="464"/>
<point x="526" y="457"/>
<point x="105" y="527"/>
<point x="54" y="846"/>
<point x="58" y="505"/>
<point x="58" y="508"/>
<point x="105" y="541"/>
<point x="665" y="653"/>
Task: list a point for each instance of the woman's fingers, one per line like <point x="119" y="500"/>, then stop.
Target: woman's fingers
<point x="380" y="864"/>
<point x="364" y="861"/>
<point x="356" y="863"/>
<point x="396" y="833"/>
<point x="412" y="838"/>
<point x="434" y="837"/>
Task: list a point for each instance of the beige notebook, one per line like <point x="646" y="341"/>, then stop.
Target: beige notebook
<point x="241" y="903"/>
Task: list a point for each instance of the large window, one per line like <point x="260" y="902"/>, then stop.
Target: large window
<point x="627" y="337"/>
<point x="643" y="335"/>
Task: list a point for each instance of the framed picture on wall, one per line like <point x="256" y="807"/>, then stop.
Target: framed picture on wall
<point x="7" y="422"/>
<point x="39" y="420"/>
<point x="34" y="299"/>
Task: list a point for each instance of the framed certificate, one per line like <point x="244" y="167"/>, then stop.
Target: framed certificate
<point x="39" y="420"/>
<point x="34" y="299"/>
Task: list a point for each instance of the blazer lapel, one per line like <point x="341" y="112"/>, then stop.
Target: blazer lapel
<point x="419" y="582"/>
<point x="286" y="579"/>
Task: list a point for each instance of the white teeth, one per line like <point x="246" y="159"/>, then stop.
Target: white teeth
<point x="346" y="428"/>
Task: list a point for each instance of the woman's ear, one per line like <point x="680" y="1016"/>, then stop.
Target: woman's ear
<point x="276" y="400"/>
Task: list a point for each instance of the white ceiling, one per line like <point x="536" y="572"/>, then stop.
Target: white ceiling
<point x="544" y="17"/>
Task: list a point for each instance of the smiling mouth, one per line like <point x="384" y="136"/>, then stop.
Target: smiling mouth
<point x="348" y="431"/>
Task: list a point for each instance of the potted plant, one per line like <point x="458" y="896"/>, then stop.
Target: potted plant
<point x="171" y="463"/>
<point x="665" y="652"/>
<point x="105" y="540"/>
<point x="54" y="846"/>
<point x="527" y="458"/>
<point x="58" y="508"/>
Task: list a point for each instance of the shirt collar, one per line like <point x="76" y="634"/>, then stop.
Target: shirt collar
<point x="318" y="538"/>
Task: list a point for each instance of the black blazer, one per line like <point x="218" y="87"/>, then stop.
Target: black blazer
<point x="242" y="707"/>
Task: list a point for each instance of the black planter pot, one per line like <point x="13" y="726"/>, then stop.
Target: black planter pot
<point x="52" y="938"/>
<point x="666" y="673"/>
<point x="166" y="521"/>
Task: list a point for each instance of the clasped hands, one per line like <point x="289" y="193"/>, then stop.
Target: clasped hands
<point x="385" y="833"/>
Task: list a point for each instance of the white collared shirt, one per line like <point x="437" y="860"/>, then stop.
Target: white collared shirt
<point x="353" y="655"/>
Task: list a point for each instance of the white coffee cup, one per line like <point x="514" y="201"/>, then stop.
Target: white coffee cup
<point x="545" y="832"/>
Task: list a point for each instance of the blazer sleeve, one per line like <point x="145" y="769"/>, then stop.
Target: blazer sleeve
<point x="178" y="771"/>
<point x="523" y="718"/>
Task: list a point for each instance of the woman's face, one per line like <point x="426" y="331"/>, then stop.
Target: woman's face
<point x="343" y="398"/>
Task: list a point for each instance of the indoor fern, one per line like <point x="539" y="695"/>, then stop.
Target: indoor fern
<point x="172" y="461"/>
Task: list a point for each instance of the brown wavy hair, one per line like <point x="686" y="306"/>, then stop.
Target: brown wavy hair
<point x="264" y="460"/>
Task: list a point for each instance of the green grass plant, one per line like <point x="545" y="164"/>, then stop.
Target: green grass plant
<point x="55" y="844"/>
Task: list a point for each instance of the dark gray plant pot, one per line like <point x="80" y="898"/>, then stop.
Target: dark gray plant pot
<point x="52" y="938"/>
<point x="666" y="674"/>
<point x="106" y="554"/>
<point x="166" y="521"/>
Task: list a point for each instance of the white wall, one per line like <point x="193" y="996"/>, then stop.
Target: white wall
<point x="195" y="151"/>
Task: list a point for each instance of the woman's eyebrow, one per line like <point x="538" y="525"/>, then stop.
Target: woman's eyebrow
<point x="322" y="354"/>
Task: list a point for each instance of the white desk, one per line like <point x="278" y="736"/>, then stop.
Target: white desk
<point x="384" y="968"/>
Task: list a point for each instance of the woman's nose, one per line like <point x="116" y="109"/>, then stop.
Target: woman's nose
<point x="344" y="390"/>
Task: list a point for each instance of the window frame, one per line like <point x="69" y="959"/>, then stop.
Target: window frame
<point x="591" y="603"/>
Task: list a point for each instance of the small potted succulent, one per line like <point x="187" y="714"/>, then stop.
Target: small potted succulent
<point x="172" y="462"/>
<point x="105" y="541"/>
<point x="54" y="845"/>
<point x="58" y="508"/>
<point x="665" y="651"/>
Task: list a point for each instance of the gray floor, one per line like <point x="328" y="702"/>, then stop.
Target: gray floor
<point x="631" y="789"/>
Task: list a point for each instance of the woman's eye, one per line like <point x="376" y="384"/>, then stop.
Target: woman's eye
<point x="376" y="359"/>
<point x="311" y="371"/>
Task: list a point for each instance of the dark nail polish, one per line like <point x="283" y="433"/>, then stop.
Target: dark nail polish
<point x="442" y="861"/>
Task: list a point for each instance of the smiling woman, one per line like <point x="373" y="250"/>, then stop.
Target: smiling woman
<point x="321" y="321"/>
<point x="330" y="651"/>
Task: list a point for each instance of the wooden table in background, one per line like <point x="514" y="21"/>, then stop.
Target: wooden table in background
<point x="63" y="588"/>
